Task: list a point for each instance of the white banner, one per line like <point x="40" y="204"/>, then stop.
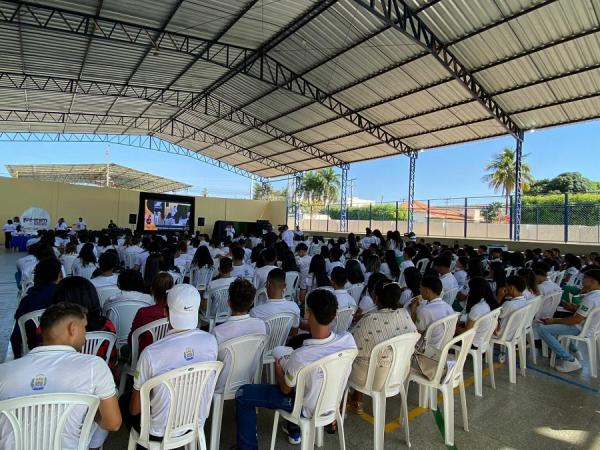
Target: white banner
<point x="34" y="219"/>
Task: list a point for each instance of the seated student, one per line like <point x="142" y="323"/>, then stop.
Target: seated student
<point x="85" y="264"/>
<point x="354" y="272"/>
<point x="269" y="257"/>
<point x="276" y="302"/>
<point x="573" y="324"/>
<point x="367" y="303"/>
<point x="47" y="275"/>
<point x="302" y="259"/>
<point x="224" y="277"/>
<point x="184" y="344"/>
<point x="353" y="255"/>
<point x="531" y="289"/>
<point x="339" y="278"/>
<point x="460" y="272"/>
<point x="372" y="265"/>
<point x="441" y="265"/>
<point x="412" y="280"/>
<point x="429" y="308"/>
<point x="132" y="287"/>
<point x="480" y="301"/>
<point x="241" y="298"/>
<point x="25" y="266"/>
<point x="390" y="266"/>
<point x="107" y="263"/>
<point x="58" y="367"/>
<point x="240" y="268"/>
<point x="334" y="259"/>
<point x="148" y="314"/>
<point x="368" y="332"/>
<point x="288" y="262"/>
<point x="511" y="298"/>
<point x="320" y="312"/>
<point x="546" y="287"/>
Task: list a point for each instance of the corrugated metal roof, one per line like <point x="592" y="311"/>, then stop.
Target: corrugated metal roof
<point x="327" y="80"/>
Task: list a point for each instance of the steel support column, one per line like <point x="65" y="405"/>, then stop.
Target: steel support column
<point x="518" y="187"/>
<point x="411" y="189"/>
<point x="344" y="199"/>
<point x="296" y="198"/>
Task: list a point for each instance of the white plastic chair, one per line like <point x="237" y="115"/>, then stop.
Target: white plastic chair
<point x="200" y="277"/>
<point x="217" y="307"/>
<point x="188" y="386"/>
<point x="513" y="335"/>
<point x="536" y="305"/>
<point x="106" y="292"/>
<point x="444" y="329"/>
<point x="292" y="282"/>
<point x="33" y="316"/>
<point x="589" y="336"/>
<point x="450" y="295"/>
<point x="278" y="330"/>
<point x="260" y="297"/>
<point x="343" y="319"/>
<point x="355" y="290"/>
<point x="131" y="260"/>
<point x="422" y="265"/>
<point x="121" y="314"/>
<point x="332" y="392"/>
<point x="67" y="262"/>
<point x="549" y="307"/>
<point x="401" y="349"/>
<point x="95" y="339"/>
<point x="453" y="378"/>
<point x="559" y="277"/>
<point x="244" y="361"/>
<point x="489" y="320"/>
<point x="39" y="421"/>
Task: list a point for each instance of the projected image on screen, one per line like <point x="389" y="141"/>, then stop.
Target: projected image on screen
<point x="166" y="215"/>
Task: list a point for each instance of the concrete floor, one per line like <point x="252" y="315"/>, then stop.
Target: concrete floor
<point x="544" y="410"/>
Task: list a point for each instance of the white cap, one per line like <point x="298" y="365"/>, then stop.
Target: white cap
<point x="184" y="302"/>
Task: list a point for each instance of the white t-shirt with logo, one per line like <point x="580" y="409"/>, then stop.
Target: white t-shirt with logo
<point x="479" y="310"/>
<point x="276" y="306"/>
<point x="344" y="299"/>
<point x="429" y="312"/>
<point x="176" y="349"/>
<point x="311" y="351"/>
<point x="243" y="271"/>
<point x="448" y="282"/>
<point x="590" y="301"/>
<point x="52" y="369"/>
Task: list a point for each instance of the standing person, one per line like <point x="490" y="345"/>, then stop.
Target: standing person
<point x="80" y="225"/>
<point x="9" y="227"/>
<point x="320" y="312"/>
<point x="59" y="367"/>
<point x="61" y="225"/>
<point x="287" y="236"/>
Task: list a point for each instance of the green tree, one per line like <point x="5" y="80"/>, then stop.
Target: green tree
<point x="572" y="182"/>
<point x="330" y="184"/>
<point x="264" y="191"/>
<point x="492" y="212"/>
<point x="501" y="173"/>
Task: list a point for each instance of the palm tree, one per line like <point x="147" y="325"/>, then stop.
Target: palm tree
<point x="330" y="184"/>
<point x="501" y="174"/>
<point x="311" y="187"/>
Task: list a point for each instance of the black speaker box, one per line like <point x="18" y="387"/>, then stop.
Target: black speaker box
<point x="132" y="219"/>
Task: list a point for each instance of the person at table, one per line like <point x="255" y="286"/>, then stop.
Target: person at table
<point x="111" y="225"/>
<point x="80" y="225"/>
<point x="321" y="308"/>
<point x="9" y="228"/>
<point x="58" y="367"/>
<point x="47" y="275"/>
<point x="61" y="225"/>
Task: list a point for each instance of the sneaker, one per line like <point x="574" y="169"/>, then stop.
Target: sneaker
<point x="569" y="366"/>
<point x="293" y="438"/>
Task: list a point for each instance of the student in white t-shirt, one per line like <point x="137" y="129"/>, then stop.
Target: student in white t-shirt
<point x="287" y="236"/>
<point x="546" y="287"/>
<point x="339" y="278"/>
<point x="480" y="301"/>
<point x="131" y="284"/>
<point x="58" y="367"/>
<point x="276" y="303"/>
<point x="240" y="268"/>
<point x="183" y="345"/>
<point x="9" y="227"/>
<point x="86" y="263"/>
<point x="572" y="325"/>
<point x="441" y="264"/>
<point x="241" y="298"/>
<point x="107" y="263"/>
<point x="428" y="308"/>
<point x="460" y="271"/>
<point x="269" y="257"/>
<point x="321" y="308"/>
<point x="511" y="298"/>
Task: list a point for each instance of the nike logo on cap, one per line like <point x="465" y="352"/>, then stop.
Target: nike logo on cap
<point x="188" y="308"/>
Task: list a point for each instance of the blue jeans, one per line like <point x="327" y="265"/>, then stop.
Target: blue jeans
<point x="247" y="399"/>
<point x="548" y="334"/>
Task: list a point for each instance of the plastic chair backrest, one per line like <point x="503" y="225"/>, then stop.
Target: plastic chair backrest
<point x="536" y="305"/>
<point x="95" y="339"/>
<point x="245" y="357"/>
<point x="157" y="329"/>
<point x="515" y="325"/>
<point x="38" y="421"/>
<point x="217" y="306"/>
<point x="106" y="292"/>
<point x="422" y="265"/>
<point x="67" y="262"/>
<point x="333" y="383"/>
<point x="441" y="331"/>
<point x="278" y="330"/>
<point x="486" y="325"/>
<point x="355" y="290"/>
<point x="549" y="305"/>
<point x="575" y="280"/>
<point x="131" y="260"/>
<point x="589" y="328"/>
<point x="260" y="297"/>
<point x="33" y="316"/>
<point x="292" y="280"/>
<point x="343" y="319"/>
<point x="455" y="371"/>
<point x="188" y="387"/>
<point x="121" y="314"/>
<point x="201" y="276"/>
<point x="450" y="295"/>
<point x="401" y="348"/>
<point x="559" y="277"/>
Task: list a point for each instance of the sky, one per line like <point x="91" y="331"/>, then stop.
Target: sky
<point x="453" y="171"/>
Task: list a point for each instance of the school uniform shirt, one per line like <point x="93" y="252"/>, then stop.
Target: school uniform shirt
<point x="528" y="294"/>
<point x="260" y="276"/>
<point x="234" y="327"/>
<point x="221" y="283"/>
<point x="366" y="303"/>
<point x="406" y="296"/>
<point x="479" y="310"/>
<point x="406" y="264"/>
<point x="311" y="351"/>
<point x="141" y="260"/>
<point x="26" y="264"/>
<point x="61" y="226"/>
<point x="589" y="301"/>
<point x="127" y="295"/>
<point x="276" y="306"/>
<point x="385" y="269"/>
<point x="461" y="278"/>
<point x="9" y="227"/>
<point x="176" y="349"/>
<point x="83" y="270"/>
<point x="548" y="287"/>
<point x="303" y="263"/>
<point x="429" y="312"/>
<point x="135" y="249"/>
<point x="288" y="237"/>
<point x="448" y="282"/>
<point x="508" y="307"/>
<point x="54" y="369"/>
<point x="366" y="242"/>
<point x="242" y="271"/>
<point x="102" y="280"/>
<point x="247" y="255"/>
<point x="331" y="265"/>
<point x="344" y="299"/>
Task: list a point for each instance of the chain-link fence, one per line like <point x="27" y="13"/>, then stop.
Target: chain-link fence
<point x="548" y="217"/>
